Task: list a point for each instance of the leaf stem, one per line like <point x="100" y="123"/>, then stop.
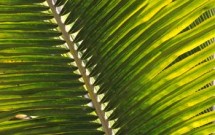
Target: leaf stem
<point x="82" y="70"/>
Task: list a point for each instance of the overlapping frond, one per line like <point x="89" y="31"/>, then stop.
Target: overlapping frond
<point x="150" y="59"/>
<point x="37" y="80"/>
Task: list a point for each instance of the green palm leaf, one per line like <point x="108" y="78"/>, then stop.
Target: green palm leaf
<point x="147" y="66"/>
<point x="37" y="79"/>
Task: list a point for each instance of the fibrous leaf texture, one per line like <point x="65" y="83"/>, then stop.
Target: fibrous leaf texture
<point x="152" y="64"/>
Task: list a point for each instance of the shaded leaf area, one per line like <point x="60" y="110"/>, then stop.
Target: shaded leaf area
<point x="36" y="77"/>
<point x="135" y="51"/>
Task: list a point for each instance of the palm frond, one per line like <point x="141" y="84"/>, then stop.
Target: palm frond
<point x="150" y="63"/>
<point x="149" y="60"/>
<point x="37" y="78"/>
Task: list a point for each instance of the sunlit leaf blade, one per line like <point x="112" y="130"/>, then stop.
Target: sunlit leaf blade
<point x="33" y="51"/>
<point x="22" y="8"/>
<point x="37" y="76"/>
<point x="19" y="2"/>
<point x="26" y="25"/>
<point x="22" y="17"/>
<point x="5" y="43"/>
<point x="151" y="60"/>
